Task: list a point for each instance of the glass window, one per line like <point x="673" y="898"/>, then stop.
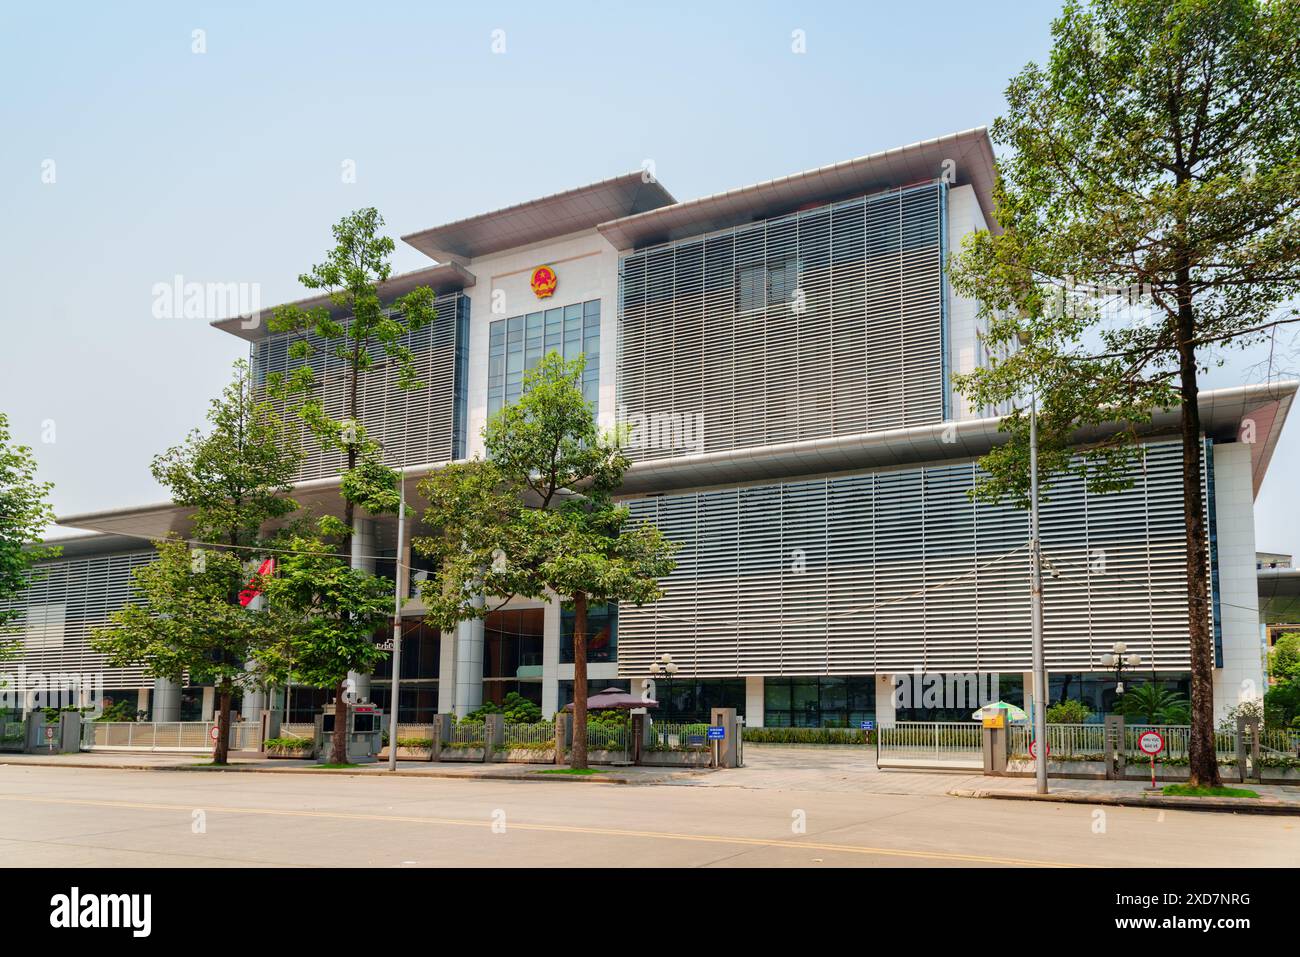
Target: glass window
<point x="517" y="344"/>
<point x="823" y="702"/>
<point x="602" y="633"/>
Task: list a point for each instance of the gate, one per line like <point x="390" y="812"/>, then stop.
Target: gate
<point x="944" y="745"/>
<point x="195" y="736"/>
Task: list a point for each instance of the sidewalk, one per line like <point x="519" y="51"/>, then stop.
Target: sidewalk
<point x="172" y="761"/>
<point x="1273" y="798"/>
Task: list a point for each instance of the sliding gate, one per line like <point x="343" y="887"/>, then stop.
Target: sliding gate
<point x="944" y="745"/>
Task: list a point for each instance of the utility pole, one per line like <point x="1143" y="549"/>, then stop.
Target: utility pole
<point x="1036" y="603"/>
<point x="399" y="570"/>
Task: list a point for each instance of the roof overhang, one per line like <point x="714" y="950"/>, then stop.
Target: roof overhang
<point x="1279" y="595"/>
<point x="966" y="158"/>
<point x="1223" y="412"/>
<point x="446" y="277"/>
<point x="539" y="220"/>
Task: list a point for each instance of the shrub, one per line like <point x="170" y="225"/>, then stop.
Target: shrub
<point x="289" y="744"/>
<point x="809" y="736"/>
<point x="424" y="743"/>
<point x="1068" y="712"/>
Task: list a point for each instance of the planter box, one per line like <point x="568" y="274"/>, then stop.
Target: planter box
<point x="1281" y="775"/>
<point x="525" y="756"/>
<point x="468" y="755"/>
<point x="1059" y="769"/>
<point x="676" y="759"/>
<point x="414" y="754"/>
<point x="299" y="754"/>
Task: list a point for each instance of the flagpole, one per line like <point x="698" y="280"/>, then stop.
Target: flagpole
<point x="399" y="569"/>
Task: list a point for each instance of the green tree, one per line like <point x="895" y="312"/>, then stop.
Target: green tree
<point x="1156" y="158"/>
<point x="351" y="274"/>
<point x="1153" y="704"/>
<point x="1284" y="658"/>
<point x="325" y="615"/>
<point x="25" y="513"/>
<point x="192" y="618"/>
<point x="537" y="518"/>
<point x="1069" y="711"/>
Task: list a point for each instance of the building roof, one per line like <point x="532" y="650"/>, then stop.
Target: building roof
<point x="970" y="152"/>
<point x="541" y="219"/>
<point x="447" y="277"/>
<point x="1279" y="595"/>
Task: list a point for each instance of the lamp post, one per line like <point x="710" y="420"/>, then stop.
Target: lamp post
<point x="667" y="667"/>
<point x="1117" y="659"/>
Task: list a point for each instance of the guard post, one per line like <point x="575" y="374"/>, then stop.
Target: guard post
<point x="995" y="743"/>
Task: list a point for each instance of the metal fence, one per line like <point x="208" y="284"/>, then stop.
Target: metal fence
<point x="608" y="737"/>
<point x="1062" y="739"/>
<point x="298" y="730"/>
<point x="468" y="734"/>
<point x="1177" y="738"/>
<point x="165" y="736"/>
<point x="678" y="737"/>
<point x="932" y="744"/>
<point x="533" y="735"/>
<point x="11" y="735"/>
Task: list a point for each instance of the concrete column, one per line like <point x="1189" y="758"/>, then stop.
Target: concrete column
<point x="142" y="699"/>
<point x="469" y="663"/>
<point x="363" y="552"/>
<point x="166" y="700"/>
<point x="885" y="701"/>
<point x="1028" y="678"/>
<point x="754" y="701"/>
<point x="551" y="657"/>
<point x="1242" y="676"/>
<point x="447" y="672"/>
<point x="209" y="704"/>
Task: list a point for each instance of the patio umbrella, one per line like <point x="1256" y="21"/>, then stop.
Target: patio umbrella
<point x="1012" y="712"/>
<point x="615" y="699"/>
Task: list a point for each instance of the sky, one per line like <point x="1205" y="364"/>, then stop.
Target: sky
<point x="147" y="141"/>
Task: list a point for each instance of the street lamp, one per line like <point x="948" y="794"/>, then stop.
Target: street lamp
<point x="1036" y="594"/>
<point x="1117" y="659"/>
<point x="667" y="667"/>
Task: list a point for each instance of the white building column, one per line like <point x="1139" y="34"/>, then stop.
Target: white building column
<point x="551" y="622"/>
<point x="754" y="701"/>
<point x="363" y="554"/>
<point x="469" y="663"/>
<point x="1242" y="675"/>
<point x="166" y="700"/>
<point x="885" y="710"/>
<point x="447" y="672"/>
<point x="142" y="699"/>
<point x="209" y="704"/>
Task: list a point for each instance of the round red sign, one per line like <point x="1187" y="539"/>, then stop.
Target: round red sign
<point x="1151" y="742"/>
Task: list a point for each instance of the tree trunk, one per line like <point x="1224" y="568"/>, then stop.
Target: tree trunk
<point x="221" y="751"/>
<point x="1202" y="763"/>
<point x="578" y="755"/>
<point x="339" y="742"/>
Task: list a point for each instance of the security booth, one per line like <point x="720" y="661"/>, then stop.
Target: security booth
<point x="365" y="732"/>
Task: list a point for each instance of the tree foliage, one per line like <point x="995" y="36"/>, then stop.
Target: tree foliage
<point x="189" y="616"/>
<point x="537" y="518"/>
<point x="1149" y="206"/>
<point x="25" y="513"/>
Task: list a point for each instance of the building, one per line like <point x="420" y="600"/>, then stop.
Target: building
<point x="784" y="351"/>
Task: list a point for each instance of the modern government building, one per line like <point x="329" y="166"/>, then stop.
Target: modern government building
<point x="784" y="353"/>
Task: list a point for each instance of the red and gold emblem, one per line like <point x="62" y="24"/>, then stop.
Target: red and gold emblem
<point x="544" y="281"/>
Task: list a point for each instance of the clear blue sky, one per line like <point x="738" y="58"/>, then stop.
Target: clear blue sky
<point x="225" y="166"/>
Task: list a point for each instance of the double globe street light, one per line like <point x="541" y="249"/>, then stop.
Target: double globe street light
<point x="1118" y="660"/>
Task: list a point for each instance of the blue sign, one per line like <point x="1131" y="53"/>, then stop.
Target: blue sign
<point x="868" y="726"/>
<point x="717" y="732"/>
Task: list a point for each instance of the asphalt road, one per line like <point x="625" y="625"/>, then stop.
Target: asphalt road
<point x="66" y="817"/>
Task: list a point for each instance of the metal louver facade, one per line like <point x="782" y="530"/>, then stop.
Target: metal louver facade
<point x="893" y="570"/>
<point x="820" y="323"/>
<point x="67" y="600"/>
<point x="415" y="426"/>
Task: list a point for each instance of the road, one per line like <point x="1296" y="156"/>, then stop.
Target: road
<point x="67" y="817"/>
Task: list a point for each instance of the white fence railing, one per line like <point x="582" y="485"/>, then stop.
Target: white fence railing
<point x="937" y="744"/>
<point x="666" y="736"/>
<point x="535" y="735"/>
<point x="165" y="736"/>
<point x="11" y="735"/>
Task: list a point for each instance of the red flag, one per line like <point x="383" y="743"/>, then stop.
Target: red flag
<point x="251" y="592"/>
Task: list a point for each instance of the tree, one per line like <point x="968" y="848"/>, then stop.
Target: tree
<point x="1069" y="711"/>
<point x="195" y="617"/>
<point x="1153" y="165"/>
<point x="537" y="518"/>
<point x="351" y="274"/>
<point x="325" y="615"/>
<point x="1284" y="658"/>
<point x="25" y="513"/>
<point x="1153" y="704"/>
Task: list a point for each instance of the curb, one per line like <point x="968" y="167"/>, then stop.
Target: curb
<point x="599" y="778"/>
<point x="1222" y="805"/>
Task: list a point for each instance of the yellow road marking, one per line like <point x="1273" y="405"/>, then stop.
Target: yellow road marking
<point x="555" y="828"/>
